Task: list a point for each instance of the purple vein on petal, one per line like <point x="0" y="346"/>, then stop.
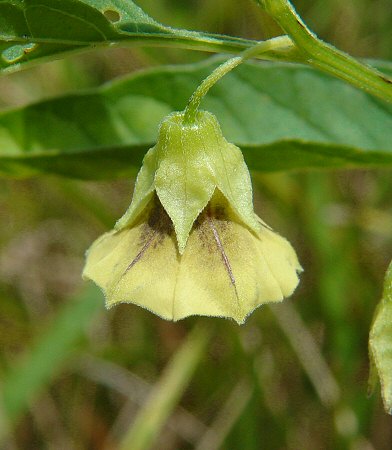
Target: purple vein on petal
<point x="225" y="259"/>
<point x="140" y="254"/>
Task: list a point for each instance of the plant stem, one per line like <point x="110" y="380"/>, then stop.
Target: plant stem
<point x="324" y="56"/>
<point x="194" y="102"/>
<point x="261" y="47"/>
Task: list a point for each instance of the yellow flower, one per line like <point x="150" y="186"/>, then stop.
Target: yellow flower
<point x="190" y="243"/>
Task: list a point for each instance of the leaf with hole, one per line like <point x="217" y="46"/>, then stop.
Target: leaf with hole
<point x="32" y="31"/>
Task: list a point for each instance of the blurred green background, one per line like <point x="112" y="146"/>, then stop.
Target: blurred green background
<point x="294" y="377"/>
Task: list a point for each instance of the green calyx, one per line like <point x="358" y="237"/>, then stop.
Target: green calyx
<point x="185" y="167"/>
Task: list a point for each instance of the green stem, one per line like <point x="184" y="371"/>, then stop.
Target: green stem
<point x="194" y="102"/>
<point x="183" y="40"/>
<point x="261" y="47"/>
<point x="324" y="56"/>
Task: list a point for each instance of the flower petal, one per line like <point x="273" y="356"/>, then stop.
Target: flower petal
<point x="137" y="265"/>
<point x="227" y="271"/>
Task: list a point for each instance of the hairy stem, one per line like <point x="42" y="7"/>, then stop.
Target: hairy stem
<point x="324" y="56"/>
<point x="261" y="47"/>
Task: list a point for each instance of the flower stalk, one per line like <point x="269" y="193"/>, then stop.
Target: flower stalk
<point x="226" y="67"/>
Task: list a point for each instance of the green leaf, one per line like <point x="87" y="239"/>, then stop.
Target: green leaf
<point x="282" y="116"/>
<point x="24" y="381"/>
<point x="32" y="31"/>
<point x="380" y="343"/>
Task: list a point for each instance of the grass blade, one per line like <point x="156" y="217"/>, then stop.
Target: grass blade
<point x="166" y="393"/>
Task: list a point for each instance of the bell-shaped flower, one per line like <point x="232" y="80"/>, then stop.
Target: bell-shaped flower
<point x="190" y="242"/>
